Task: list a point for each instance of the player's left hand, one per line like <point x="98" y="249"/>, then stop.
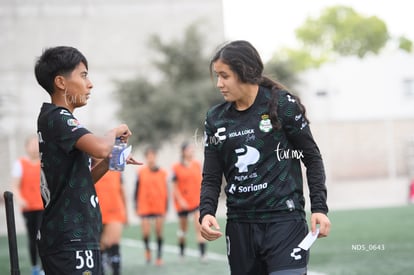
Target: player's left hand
<point x="324" y="224"/>
<point x="210" y="228"/>
<point x="131" y="160"/>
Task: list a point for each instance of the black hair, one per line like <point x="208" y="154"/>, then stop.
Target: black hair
<point x="183" y="147"/>
<point x="61" y="60"/>
<point x="245" y="61"/>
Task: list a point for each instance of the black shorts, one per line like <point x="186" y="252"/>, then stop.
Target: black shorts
<point x="185" y="213"/>
<point x="152" y="216"/>
<point x="80" y="262"/>
<point x="263" y="248"/>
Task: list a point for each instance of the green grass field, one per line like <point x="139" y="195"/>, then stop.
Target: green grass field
<point x="368" y="241"/>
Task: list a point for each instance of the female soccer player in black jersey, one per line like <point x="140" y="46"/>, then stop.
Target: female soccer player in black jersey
<point x="257" y="139"/>
<point x="69" y="235"/>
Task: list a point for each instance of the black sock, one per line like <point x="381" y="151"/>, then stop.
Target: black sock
<point x="202" y="247"/>
<point x="115" y="259"/>
<point x="159" y="251"/>
<point x="146" y="243"/>
<point x="181" y="244"/>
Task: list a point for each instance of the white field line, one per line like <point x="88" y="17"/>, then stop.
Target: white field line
<point x="188" y="251"/>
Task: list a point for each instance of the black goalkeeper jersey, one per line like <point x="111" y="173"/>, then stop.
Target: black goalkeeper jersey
<point x="72" y="218"/>
<point x="261" y="165"/>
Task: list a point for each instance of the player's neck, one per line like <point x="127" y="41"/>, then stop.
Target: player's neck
<point x="186" y="161"/>
<point x="249" y="92"/>
<point x="33" y="159"/>
<point x="60" y="100"/>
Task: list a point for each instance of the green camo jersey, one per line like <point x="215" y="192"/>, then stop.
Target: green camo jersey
<point x="72" y="218"/>
<point x="261" y="165"/>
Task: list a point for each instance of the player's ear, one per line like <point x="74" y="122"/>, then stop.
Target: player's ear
<point x="60" y="82"/>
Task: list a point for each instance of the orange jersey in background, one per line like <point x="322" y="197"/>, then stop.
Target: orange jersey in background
<point x="30" y="185"/>
<point x="188" y="180"/>
<point x="111" y="198"/>
<point x="152" y="195"/>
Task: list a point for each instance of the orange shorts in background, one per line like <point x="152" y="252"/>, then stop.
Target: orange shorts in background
<point x="111" y="197"/>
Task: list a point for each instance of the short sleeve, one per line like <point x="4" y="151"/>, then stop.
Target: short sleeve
<point x="67" y="130"/>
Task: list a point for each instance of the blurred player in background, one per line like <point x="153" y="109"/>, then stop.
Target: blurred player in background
<point x="114" y="215"/>
<point x="26" y="187"/>
<point x="187" y="183"/>
<point x="151" y="196"/>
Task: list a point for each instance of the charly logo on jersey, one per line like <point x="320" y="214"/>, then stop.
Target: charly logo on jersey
<point x="295" y="255"/>
<point x="94" y="201"/>
<point x="65" y="112"/>
<point x="218" y="137"/>
<point x="265" y="125"/>
<point x="290" y="98"/>
<point x="219" y="134"/>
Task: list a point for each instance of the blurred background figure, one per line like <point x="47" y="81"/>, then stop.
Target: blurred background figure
<point x="187" y="183"/>
<point x="412" y="191"/>
<point x="151" y="196"/>
<point x="26" y="187"/>
<point x="111" y="196"/>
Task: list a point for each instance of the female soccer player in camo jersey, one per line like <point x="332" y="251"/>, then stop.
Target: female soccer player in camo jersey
<point x="72" y="224"/>
<point x="257" y="138"/>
